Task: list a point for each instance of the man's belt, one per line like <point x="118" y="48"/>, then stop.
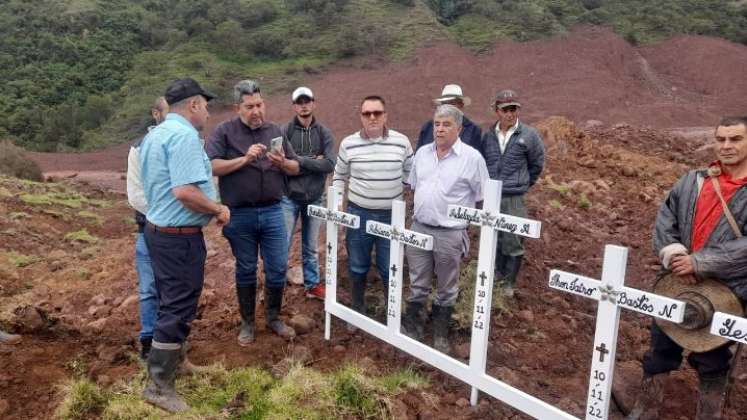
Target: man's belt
<point x="178" y="230"/>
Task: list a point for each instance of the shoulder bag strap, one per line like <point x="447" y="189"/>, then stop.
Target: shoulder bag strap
<point x="713" y="173"/>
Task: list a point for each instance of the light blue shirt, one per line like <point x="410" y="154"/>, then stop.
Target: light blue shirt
<point x="172" y="155"/>
<point x="457" y="178"/>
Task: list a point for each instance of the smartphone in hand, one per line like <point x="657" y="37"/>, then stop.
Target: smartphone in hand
<point x="276" y="145"/>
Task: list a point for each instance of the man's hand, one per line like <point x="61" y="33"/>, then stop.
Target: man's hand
<point x="277" y="159"/>
<point x="254" y="153"/>
<point x="683" y="265"/>
<point x="222" y="216"/>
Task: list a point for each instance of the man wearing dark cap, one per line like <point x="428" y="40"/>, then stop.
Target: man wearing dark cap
<point x="315" y="149"/>
<point x="471" y="133"/>
<point x="252" y="161"/>
<point x="177" y="180"/>
<point x="515" y="154"/>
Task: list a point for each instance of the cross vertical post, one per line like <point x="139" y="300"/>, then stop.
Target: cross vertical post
<point x="396" y="261"/>
<point x="334" y="200"/>
<point x="484" y="284"/>
<point x="605" y="337"/>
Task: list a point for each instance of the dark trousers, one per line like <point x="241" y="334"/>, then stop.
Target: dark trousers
<point x="178" y="262"/>
<point x="665" y="355"/>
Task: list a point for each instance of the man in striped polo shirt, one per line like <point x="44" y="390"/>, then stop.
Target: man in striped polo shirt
<point x="375" y="162"/>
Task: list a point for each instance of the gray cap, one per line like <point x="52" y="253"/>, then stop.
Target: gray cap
<point x="506" y="98"/>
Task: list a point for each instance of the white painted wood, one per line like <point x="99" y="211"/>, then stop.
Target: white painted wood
<point x="503" y="222"/>
<point x="400" y="234"/>
<point x="396" y="264"/>
<point x="333" y="217"/>
<point x="612" y="295"/>
<point x="729" y="326"/>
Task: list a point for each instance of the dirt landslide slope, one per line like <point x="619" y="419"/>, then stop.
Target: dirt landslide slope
<point x="69" y="286"/>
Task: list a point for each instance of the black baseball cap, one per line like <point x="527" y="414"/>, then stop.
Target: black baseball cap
<point x="181" y="89"/>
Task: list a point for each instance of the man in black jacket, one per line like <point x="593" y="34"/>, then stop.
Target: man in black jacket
<point x="315" y="151"/>
<point x="515" y="154"/>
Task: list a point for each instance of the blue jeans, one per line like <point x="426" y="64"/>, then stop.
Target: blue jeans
<point x="309" y="237"/>
<point x="146" y="288"/>
<point x="253" y="229"/>
<point x="360" y="244"/>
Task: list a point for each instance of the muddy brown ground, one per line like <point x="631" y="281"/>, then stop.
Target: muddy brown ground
<point x="624" y="152"/>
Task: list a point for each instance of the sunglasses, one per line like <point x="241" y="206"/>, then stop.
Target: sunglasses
<point x="375" y="114"/>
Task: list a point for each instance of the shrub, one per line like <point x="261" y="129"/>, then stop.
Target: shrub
<point x="14" y="162"/>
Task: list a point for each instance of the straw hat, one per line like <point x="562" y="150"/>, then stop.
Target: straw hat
<point x="703" y="300"/>
<point x="452" y="92"/>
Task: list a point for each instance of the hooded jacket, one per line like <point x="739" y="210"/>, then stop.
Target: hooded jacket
<point x="724" y="256"/>
<point x="308" y="143"/>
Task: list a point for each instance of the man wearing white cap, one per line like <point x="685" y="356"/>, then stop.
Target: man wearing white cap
<point x="315" y="150"/>
<point x="471" y="133"/>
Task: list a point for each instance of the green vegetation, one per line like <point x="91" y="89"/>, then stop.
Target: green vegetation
<point x="79" y="74"/>
<point x="81" y="236"/>
<point x="248" y="393"/>
<point x="584" y="202"/>
<point x="20" y="260"/>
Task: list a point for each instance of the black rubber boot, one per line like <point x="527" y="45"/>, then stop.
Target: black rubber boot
<point x="441" y="320"/>
<point x="273" y="302"/>
<point x="247" y="303"/>
<point x="160" y="390"/>
<point x="186" y="367"/>
<point x="145" y="343"/>
<point x="500" y="268"/>
<point x="413" y="321"/>
<point x="513" y="265"/>
<point x="357" y="297"/>
<point x="711" y="398"/>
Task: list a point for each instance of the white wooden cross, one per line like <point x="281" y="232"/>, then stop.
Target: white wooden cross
<point x="399" y="237"/>
<point x="491" y="221"/>
<point x="612" y="296"/>
<point x="470" y="374"/>
<point x="729" y="326"/>
<point x="334" y="217"/>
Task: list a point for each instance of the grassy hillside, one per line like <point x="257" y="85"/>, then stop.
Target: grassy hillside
<point x="79" y="74"/>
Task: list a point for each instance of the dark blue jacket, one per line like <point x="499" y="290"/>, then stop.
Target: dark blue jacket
<point x="521" y="164"/>
<point x="471" y="134"/>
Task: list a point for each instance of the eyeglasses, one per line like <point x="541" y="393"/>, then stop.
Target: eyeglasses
<point x="511" y="108"/>
<point x="369" y="114"/>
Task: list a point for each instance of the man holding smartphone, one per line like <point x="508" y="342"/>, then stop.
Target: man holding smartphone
<point x="252" y="181"/>
<point x="315" y="149"/>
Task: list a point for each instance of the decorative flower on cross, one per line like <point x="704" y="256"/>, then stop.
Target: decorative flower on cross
<point x="395" y="234"/>
<point x="487" y="218"/>
<point x="609" y="293"/>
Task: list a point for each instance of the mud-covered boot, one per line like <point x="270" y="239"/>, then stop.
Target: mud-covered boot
<point x="160" y="390"/>
<point x="7" y="338"/>
<point x="711" y="398"/>
<point x="649" y="399"/>
<point x="441" y="321"/>
<point x="273" y="302"/>
<point x="357" y="297"/>
<point x="513" y="265"/>
<point x="412" y="322"/>
<point x="247" y="304"/>
<point x="186" y="367"/>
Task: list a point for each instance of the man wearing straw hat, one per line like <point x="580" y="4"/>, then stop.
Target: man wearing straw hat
<point x="699" y="238"/>
<point x="470" y="134"/>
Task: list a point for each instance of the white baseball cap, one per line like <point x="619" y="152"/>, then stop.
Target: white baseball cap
<point x="302" y="91"/>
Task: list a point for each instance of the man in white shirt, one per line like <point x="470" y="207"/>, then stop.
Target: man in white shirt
<point x="136" y="198"/>
<point x="444" y="172"/>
